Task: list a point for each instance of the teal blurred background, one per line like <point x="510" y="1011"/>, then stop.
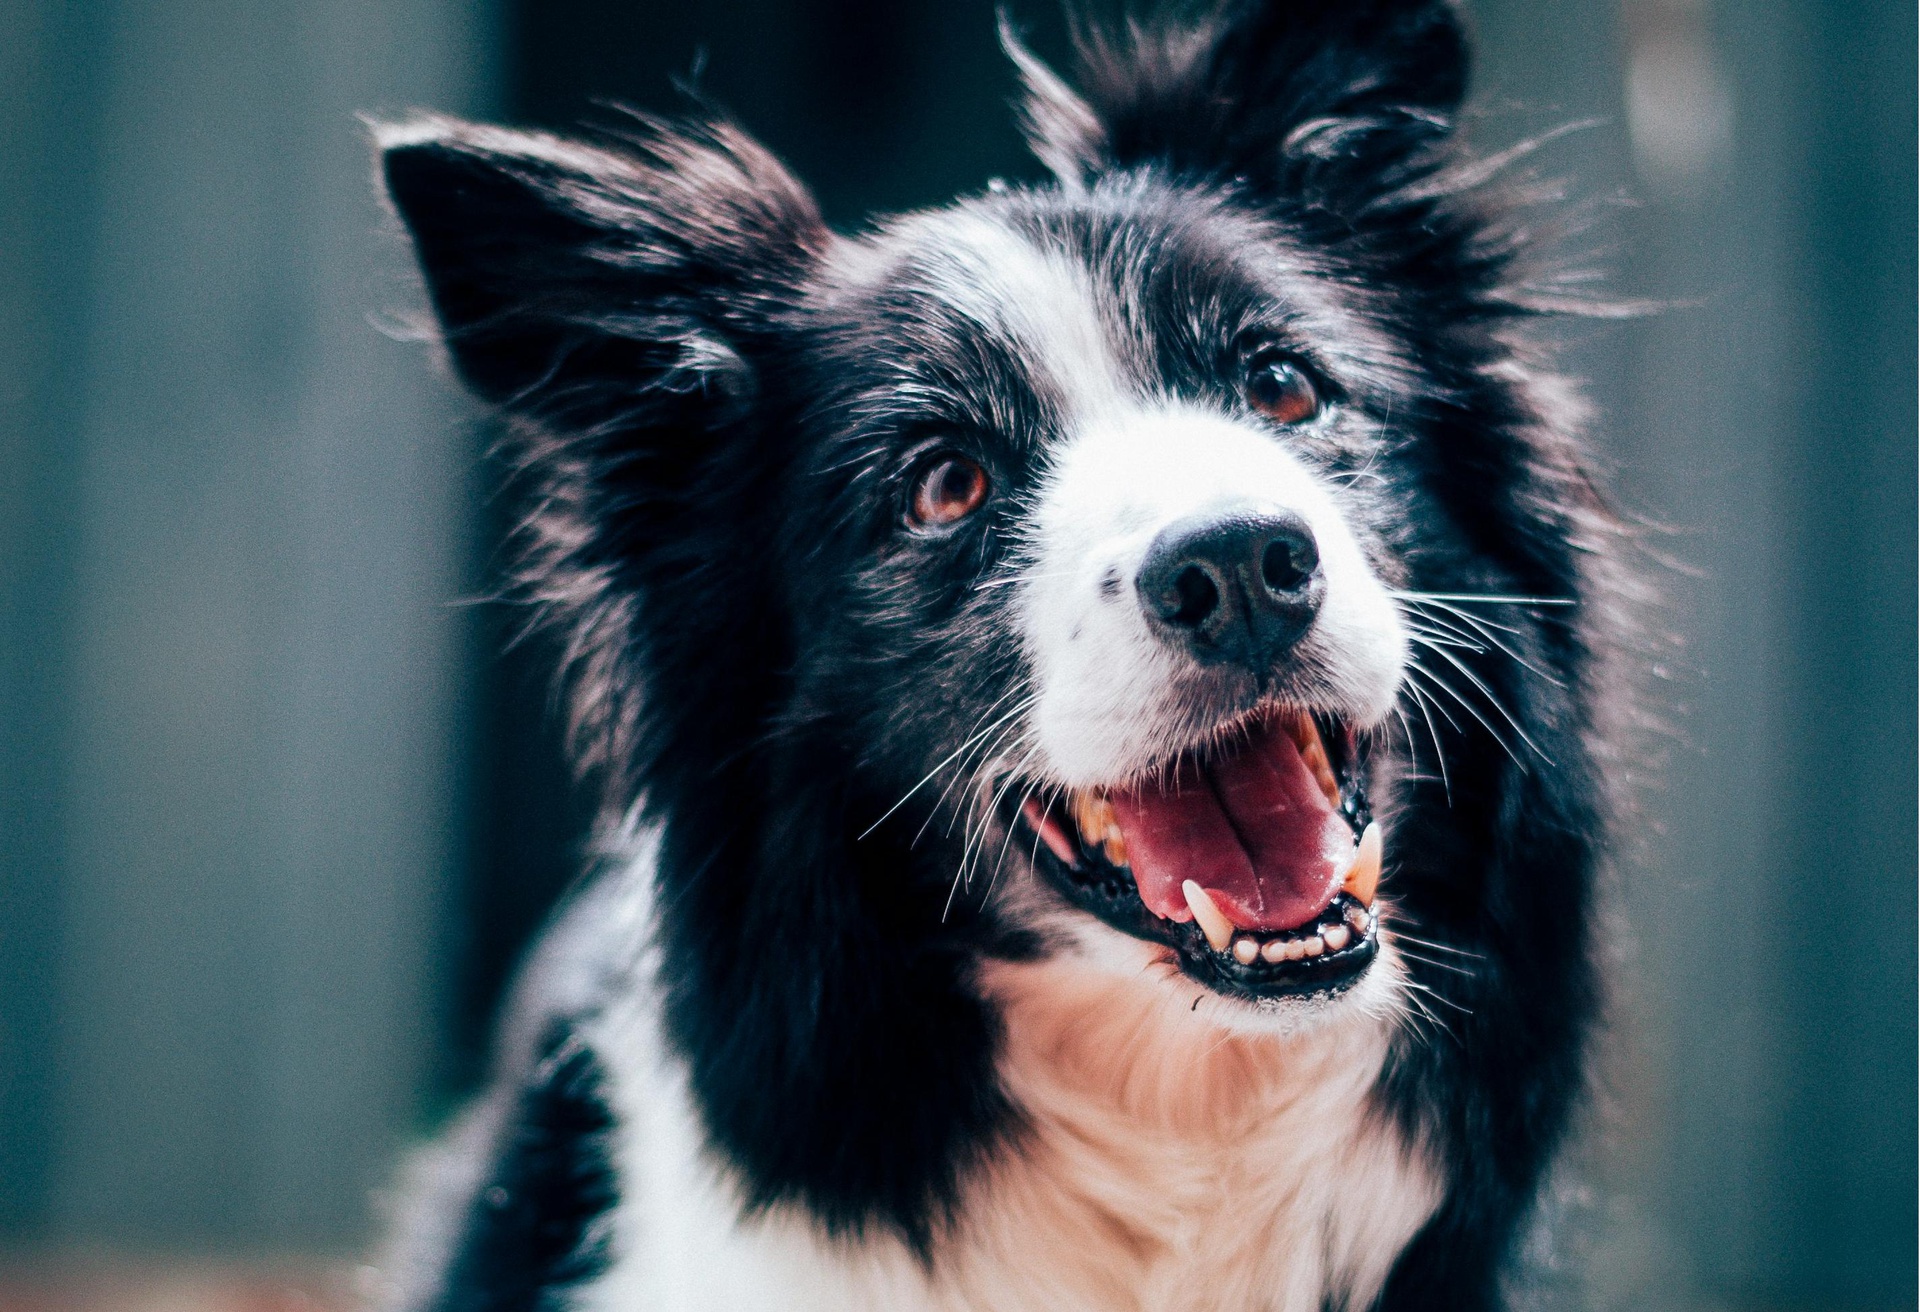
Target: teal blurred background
<point x="276" y="815"/>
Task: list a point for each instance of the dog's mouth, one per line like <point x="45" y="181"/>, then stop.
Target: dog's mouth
<point x="1255" y="859"/>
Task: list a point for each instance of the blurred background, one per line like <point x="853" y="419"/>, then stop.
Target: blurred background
<point x="277" y="814"/>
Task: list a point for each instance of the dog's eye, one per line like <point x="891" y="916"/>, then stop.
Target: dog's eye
<point x="1279" y="389"/>
<point x="948" y="488"/>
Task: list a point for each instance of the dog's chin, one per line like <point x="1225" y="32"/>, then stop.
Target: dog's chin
<point x="1186" y="875"/>
<point x="1129" y="963"/>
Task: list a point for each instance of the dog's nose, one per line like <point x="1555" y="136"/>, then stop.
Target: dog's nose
<point x="1237" y="588"/>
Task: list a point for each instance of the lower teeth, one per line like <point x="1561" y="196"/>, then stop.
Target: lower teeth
<point x="1351" y="928"/>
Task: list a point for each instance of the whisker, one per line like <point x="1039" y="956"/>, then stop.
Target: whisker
<point x="1439" y="752"/>
<point x="1453" y="966"/>
<point x="1470" y="709"/>
<point x="1001" y="861"/>
<point x="978" y="817"/>
<point x="1438" y="705"/>
<point x="1458" y="612"/>
<point x="1429" y="638"/>
<point x="1401" y="934"/>
<point x="1485" y="629"/>
<point x="931" y="774"/>
<point x="965" y="770"/>
<point x="1495" y="702"/>
<point x="1419" y="1012"/>
<point x="984" y="817"/>
<point x="1488" y="598"/>
<point x="1437" y="996"/>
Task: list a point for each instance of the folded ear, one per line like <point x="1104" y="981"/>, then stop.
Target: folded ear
<point x="1318" y="95"/>
<point x="578" y="284"/>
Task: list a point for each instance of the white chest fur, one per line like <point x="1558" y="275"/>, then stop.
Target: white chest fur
<point x="1166" y="1166"/>
<point x="1172" y="1165"/>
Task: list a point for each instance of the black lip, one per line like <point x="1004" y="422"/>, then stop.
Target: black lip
<point x="1108" y="893"/>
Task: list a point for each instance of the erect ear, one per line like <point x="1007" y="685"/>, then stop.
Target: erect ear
<point x="1313" y="95"/>
<point x="579" y="283"/>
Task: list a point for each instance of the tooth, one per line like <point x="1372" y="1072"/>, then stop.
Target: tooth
<point x="1336" y="937"/>
<point x="1314" y="752"/>
<point x="1275" y="950"/>
<point x="1217" y="928"/>
<point x="1313" y="946"/>
<point x="1295" y="949"/>
<point x="1358" y="919"/>
<point x="1093" y="813"/>
<point x="1245" y="950"/>
<point x="1363" y="877"/>
<point x="1099" y="827"/>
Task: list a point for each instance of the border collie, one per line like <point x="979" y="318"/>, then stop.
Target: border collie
<point x="1097" y="689"/>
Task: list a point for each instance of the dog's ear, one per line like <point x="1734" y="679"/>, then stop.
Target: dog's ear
<point x="583" y="285"/>
<point x="1310" y="97"/>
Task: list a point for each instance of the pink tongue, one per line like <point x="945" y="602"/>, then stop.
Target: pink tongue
<point x="1253" y="829"/>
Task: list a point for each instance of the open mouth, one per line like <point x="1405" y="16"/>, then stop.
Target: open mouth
<point x="1254" y="859"/>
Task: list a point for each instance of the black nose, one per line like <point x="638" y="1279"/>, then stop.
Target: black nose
<point x="1239" y="588"/>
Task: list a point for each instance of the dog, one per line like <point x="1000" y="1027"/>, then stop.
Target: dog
<point x="1100" y="692"/>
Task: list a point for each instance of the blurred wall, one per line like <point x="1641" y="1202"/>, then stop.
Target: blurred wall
<point x="236" y="705"/>
<point x="233" y="519"/>
<point x="1760" y="1102"/>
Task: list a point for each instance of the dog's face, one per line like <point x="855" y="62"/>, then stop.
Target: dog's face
<point x="1059" y="547"/>
<point x="1099" y="505"/>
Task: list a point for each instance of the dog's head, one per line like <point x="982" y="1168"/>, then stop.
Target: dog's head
<point x="1106" y="567"/>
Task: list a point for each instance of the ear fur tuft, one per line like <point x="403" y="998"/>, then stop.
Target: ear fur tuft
<point x="1306" y="96"/>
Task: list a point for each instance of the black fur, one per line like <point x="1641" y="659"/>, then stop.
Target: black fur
<point x="537" y="1227"/>
<point x="715" y="424"/>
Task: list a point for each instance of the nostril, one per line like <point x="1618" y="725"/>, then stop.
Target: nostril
<point x="1288" y="563"/>
<point x="1199" y="597"/>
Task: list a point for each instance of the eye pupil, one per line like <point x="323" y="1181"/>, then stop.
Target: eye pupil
<point x="1282" y="392"/>
<point x="950" y="489"/>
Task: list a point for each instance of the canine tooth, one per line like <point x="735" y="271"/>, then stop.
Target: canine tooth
<point x="1336" y="937"/>
<point x="1363" y="877"/>
<point x="1313" y="946"/>
<point x="1275" y="950"/>
<point x="1313" y="750"/>
<point x="1245" y="950"/>
<point x="1214" y="924"/>
<point x="1115" y="848"/>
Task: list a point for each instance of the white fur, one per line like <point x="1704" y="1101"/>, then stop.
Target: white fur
<point x="1171" y="1164"/>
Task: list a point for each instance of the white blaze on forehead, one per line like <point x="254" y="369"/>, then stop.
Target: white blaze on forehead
<point x="1041" y="301"/>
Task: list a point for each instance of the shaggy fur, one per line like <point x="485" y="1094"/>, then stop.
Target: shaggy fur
<point x="824" y="1031"/>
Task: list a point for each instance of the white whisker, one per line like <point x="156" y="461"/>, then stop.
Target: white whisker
<point x="931" y="774"/>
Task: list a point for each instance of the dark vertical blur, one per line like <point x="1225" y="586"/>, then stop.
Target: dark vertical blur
<point x="875" y="103"/>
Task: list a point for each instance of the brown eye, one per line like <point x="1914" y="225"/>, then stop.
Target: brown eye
<point x="949" y="488"/>
<point x="1281" y="390"/>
